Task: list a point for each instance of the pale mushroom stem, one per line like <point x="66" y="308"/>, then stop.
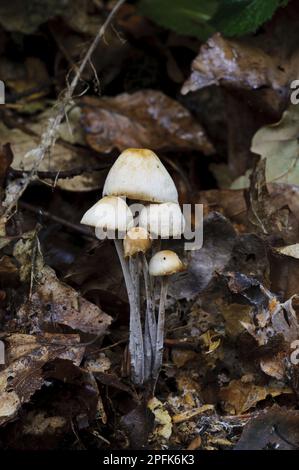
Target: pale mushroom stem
<point x="150" y="327"/>
<point x="135" y="333"/>
<point x="160" y="328"/>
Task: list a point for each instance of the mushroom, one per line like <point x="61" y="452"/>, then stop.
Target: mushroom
<point x="164" y="264"/>
<point x="111" y="213"/>
<point x="165" y="220"/>
<point x="137" y="240"/>
<point x="139" y="174"/>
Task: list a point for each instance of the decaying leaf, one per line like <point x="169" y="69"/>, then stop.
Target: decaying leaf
<point x="290" y="250"/>
<point x="52" y="301"/>
<point x="232" y="63"/>
<point x="23" y="375"/>
<point x="147" y="119"/>
<point x="277" y="143"/>
<point x="162" y="418"/>
<point x="63" y="158"/>
<point x="240" y="396"/>
<point x="276" y="428"/>
<point x="56" y="302"/>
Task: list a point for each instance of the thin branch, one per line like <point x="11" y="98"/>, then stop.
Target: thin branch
<point x="47" y="215"/>
<point x="49" y="137"/>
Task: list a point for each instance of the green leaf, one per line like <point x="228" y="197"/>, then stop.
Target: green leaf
<point x="239" y="17"/>
<point x="202" y="18"/>
<point x="188" y="17"/>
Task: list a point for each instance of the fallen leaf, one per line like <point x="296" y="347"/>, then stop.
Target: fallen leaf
<point x="23" y="375"/>
<point x="146" y="118"/>
<point x="162" y="418"/>
<point x="276" y="428"/>
<point x="232" y="63"/>
<point x="63" y="158"/>
<point x="56" y="302"/>
<point x="240" y="396"/>
<point x="290" y="250"/>
<point x="195" y="443"/>
<point x="52" y="301"/>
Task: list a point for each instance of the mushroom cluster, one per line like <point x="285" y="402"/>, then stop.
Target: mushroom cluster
<point x="139" y="175"/>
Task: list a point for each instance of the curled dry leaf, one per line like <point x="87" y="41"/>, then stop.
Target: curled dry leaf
<point x="147" y="119"/>
<point x="23" y="375"/>
<point x="232" y="63"/>
<point x="56" y="302"/>
<point x="53" y="301"/>
<point x="240" y="396"/>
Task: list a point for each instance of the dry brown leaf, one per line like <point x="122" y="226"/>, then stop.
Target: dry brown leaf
<point x="56" y="302"/>
<point x="25" y="357"/>
<point x="265" y="64"/>
<point x="62" y="158"/>
<point x="147" y="118"/>
<point x="195" y="443"/>
<point x="229" y="62"/>
<point x="274" y="366"/>
<point x="277" y="428"/>
<point x="240" y="396"/>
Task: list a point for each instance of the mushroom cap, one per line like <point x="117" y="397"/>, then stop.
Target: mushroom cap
<point x="111" y="213"/>
<point x="137" y="240"/>
<point x="140" y="174"/>
<point x="165" y="220"/>
<point x="164" y="263"/>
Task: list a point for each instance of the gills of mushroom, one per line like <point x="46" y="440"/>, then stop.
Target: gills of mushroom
<point x="111" y="213"/>
<point x="163" y="264"/>
<point x="136" y="243"/>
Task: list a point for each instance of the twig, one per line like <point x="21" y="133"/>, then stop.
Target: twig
<point x="63" y="174"/>
<point x="47" y="215"/>
<point x="49" y="137"/>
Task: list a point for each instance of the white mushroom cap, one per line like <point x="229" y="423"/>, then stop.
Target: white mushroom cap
<point x="110" y="213"/>
<point x="137" y="240"/>
<point x="164" y="263"/>
<point x="164" y="220"/>
<point x="140" y="174"/>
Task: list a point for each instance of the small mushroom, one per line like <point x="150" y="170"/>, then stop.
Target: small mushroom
<point x="140" y="174"/>
<point x="137" y="240"/>
<point x="165" y="220"/>
<point x="109" y="213"/>
<point x="164" y="264"/>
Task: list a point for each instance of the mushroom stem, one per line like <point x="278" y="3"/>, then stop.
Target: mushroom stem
<point x="160" y="328"/>
<point x="150" y="327"/>
<point x="135" y="334"/>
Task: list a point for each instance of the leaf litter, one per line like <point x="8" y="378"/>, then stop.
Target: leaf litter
<point x="229" y="379"/>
